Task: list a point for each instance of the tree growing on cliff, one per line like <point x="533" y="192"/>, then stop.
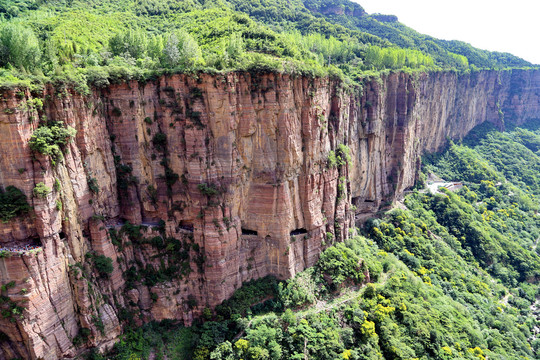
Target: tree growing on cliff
<point x="103" y="264"/>
<point x="12" y="203"/>
<point x="41" y="190"/>
<point x="51" y="139"/>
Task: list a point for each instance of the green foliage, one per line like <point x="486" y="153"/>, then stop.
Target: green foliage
<point x="160" y="141"/>
<point x="103" y="264"/>
<point x="51" y="139"/>
<point x="339" y="265"/>
<point x="41" y="190"/>
<point x="342" y="155"/>
<point x="175" y="255"/>
<point x="208" y="189"/>
<point x="80" y="44"/>
<point x="131" y="43"/>
<point x="93" y="184"/>
<point x="13" y="203"/>
<point x="332" y="160"/>
<point x="453" y="276"/>
<point x="254" y="296"/>
<point x="299" y="291"/>
<point x="19" y="47"/>
<point x="394" y="58"/>
<point x="181" y="49"/>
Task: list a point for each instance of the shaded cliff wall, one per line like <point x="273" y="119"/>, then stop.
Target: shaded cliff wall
<point x="209" y="181"/>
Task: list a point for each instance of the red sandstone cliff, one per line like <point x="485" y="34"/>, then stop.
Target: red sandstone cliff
<point x="236" y="167"/>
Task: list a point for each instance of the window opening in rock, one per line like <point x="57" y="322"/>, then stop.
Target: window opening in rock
<point x="298" y="232"/>
<point x="249" y="232"/>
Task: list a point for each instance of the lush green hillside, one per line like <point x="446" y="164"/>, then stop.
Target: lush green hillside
<point x="451" y="276"/>
<point x="101" y="41"/>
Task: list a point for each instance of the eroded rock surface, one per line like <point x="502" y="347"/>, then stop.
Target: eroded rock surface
<point x="206" y="182"/>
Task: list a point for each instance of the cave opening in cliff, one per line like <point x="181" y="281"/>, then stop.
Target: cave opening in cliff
<point x="186" y="225"/>
<point x="62" y="235"/>
<point x="4" y="337"/>
<point x="298" y="232"/>
<point x="249" y="232"/>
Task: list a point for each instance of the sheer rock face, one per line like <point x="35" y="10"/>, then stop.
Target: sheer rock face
<point x="237" y="168"/>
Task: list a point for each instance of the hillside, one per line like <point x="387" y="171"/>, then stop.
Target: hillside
<point x="97" y="42"/>
<point x="245" y="180"/>
<point x="442" y="276"/>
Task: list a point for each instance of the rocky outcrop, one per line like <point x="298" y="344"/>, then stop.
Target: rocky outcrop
<point x="191" y="185"/>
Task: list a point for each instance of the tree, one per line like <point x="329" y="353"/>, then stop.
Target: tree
<point x="19" y="47"/>
<point x="171" y="53"/>
<point x="12" y="203"/>
<point x="182" y="50"/>
<point x="132" y="43"/>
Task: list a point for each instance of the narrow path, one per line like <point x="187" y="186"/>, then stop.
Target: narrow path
<point x="323" y="305"/>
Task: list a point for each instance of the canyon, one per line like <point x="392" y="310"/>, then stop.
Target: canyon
<point x="194" y="184"/>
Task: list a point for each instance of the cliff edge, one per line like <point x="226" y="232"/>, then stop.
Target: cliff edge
<point x="192" y="185"/>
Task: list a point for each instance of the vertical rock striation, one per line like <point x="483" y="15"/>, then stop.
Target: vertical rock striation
<point x="193" y="185"/>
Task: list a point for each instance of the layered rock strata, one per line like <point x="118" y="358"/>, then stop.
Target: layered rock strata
<point x="192" y="185"/>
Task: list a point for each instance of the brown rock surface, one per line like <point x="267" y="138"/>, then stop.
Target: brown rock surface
<point x="227" y="177"/>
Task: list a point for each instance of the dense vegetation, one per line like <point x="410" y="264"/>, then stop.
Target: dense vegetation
<point x="98" y="42"/>
<point x="13" y="203"/>
<point x="51" y="139"/>
<point x="453" y="276"/>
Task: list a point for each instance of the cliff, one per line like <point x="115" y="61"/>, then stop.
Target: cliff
<point x="195" y="184"/>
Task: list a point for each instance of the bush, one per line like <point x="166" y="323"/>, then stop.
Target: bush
<point x="342" y="154"/>
<point x="19" y="47"/>
<point x="339" y="264"/>
<point x="12" y="203"/>
<point x="160" y="141"/>
<point x="298" y="291"/>
<point x="208" y="189"/>
<point x="332" y="160"/>
<point x="103" y="265"/>
<point x="41" y="190"/>
<point x="93" y="184"/>
<point x="51" y="139"/>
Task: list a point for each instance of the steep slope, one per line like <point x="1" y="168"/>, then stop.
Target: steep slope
<point x="192" y="185"/>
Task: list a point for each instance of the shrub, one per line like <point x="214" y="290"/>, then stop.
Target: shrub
<point x="12" y="203"/>
<point x="41" y="190"/>
<point x="171" y="177"/>
<point x="103" y="265"/>
<point x="208" y="189"/>
<point x="329" y="236"/>
<point x="332" y="160"/>
<point x="342" y="154"/>
<point x="298" y="291"/>
<point x="19" y="47"/>
<point x="93" y="184"/>
<point x="116" y="112"/>
<point x="160" y="141"/>
<point x="339" y="264"/>
<point x="51" y="139"/>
